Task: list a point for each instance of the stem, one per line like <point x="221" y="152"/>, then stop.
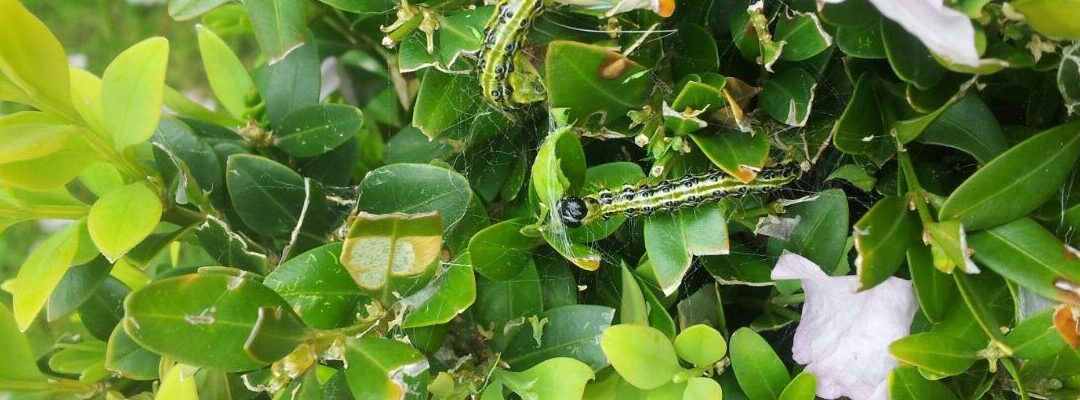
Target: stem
<point x="914" y="189"/>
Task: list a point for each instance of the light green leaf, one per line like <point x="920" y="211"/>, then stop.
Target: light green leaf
<point x="935" y="353"/>
<point x="454" y="292"/>
<point x="379" y="368"/>
<point x="51" y="171"/>
<point x="179" y="384"/>
<point x="32" y="134"/>
<point x="554" y="379"/>
<point x="672" y="238"/>
<point x="1036" y="337"/>
<point x="228" y="78"/>
<point x="1016" y="182"/>
<point x="758" y="369"/>
<point x="802" y="387"/>
<point x="33" y="60"/>
<point x="701" y="345"/>
<point x="183" y="10"/>
<point x="640" y="354"/>
<point x="41" y="272"/>
<point x="1055" y="18"/>
<point x="123" y="218"/>
<point x="19" y="362"/>
<point x="132" y="89"/>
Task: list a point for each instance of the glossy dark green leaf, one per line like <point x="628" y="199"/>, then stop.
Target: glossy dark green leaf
<point x="909" y="58"/>
<point x="804" y="35"/>
<point x="1036" y="337"/>
<point x="500" y="250"/>
<point x="859" y="130"/>
<point x="672" y="238"/>
<point x="317" y="287"/>
<point x="1026" y="253"/>
<point x="385" y="369"/>
<point x="968" y="126"/>
<point x="788" y="96"/>
<point x="450" y="105"/>
<point x="591" y="79"/>
<point x="459" y="33"/>
<point x="450" y="294"/>
<point x="882" y="238"/>
<point x="229" y="248"/>
<point x="178" y="140"/>
<point x="740" y="154"/>
<point x="821" y="231"/>
<point x="104" y="309"/>
<point x="499" y="302"/>
<point x="1016" y="182"/>
<point x="758" y="369"/>
<point x="271" y="198"/>
<point x="557" y="281"/>
<point x="208" y="319"/>
<point x="130" y="360"/>
<point x="741" y="267"/>
<point x="78" y="284"/>
<point x="905" y="383"/>
<point x="695" y="52"/>
<point x="415" y="188"/>
<point x="290" y="84"/>
<point x="933" y="288"/>
<point x="569" y="331"/>
<point x="317" y="129"/>
<point x="703" y="307"/>
<point x="279" y="25"/>
<point x="935" y="353"/>
<point x="862" y="41"/>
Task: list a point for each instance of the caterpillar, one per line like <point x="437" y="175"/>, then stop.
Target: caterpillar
<point x="504" y="35"/>
<point x="670" y="195"/>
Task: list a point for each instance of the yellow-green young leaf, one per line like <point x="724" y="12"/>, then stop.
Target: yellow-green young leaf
<point x="640" y="354"/>
<point x="227" y="75"/>
<point x="51" y="171"/>
<point x="802" y="387"/>
<point x="392" y="252"/>
<point x="700" y="345"/>
<point x="554" y="379"/>
<point x="41" y="272"/>
<point x="101" y="178"/>
<point x="32" y="134"/>
<point x="33" y="60"/>
<point x="86" y="96"/>
<point x="123" y="218"/>
<point x="132" y="89"/>
<point x="179" y="384"/>
<point x="19" y="360"/>
<point x="1057" y="18"/>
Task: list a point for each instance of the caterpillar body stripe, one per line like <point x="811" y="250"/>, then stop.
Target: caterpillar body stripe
<point x="665" y="196"/>
<point x="504" y="35"/>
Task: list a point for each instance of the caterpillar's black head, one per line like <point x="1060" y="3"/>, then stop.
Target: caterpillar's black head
<point x="572" y="211"/>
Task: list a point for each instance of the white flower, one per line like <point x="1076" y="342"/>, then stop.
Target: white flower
<point x="945" y="31"/>
<point x="844" y="336"/>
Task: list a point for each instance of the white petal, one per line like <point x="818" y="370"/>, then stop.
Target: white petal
<point x="946" y="32"/>
<point x="844" y="336"/>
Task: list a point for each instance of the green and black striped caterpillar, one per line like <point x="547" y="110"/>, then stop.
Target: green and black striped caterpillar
<point x="669" y="195"/>
<point x="504" y="35"/>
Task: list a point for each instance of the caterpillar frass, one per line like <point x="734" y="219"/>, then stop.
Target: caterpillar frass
<point x="665" y="196"/>
<point x="504" y="35"/>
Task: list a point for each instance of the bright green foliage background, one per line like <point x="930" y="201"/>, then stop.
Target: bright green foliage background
<point x="341" y="215"/>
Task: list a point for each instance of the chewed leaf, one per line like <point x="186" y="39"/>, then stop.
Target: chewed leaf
<point x="381" y="248"/>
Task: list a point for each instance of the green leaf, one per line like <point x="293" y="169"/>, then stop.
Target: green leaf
<point x="882" y="237"/>
<point x="78" y="284"/>
<point x="500" y="250"/>
<point x="572" y="331"/>
<point x="1016" y="182"/>
<point x="554" y="379"/>
<point x="590" y="79"/>
<point x="968" y="126"/>
<point x="178" y="384"/>
<point x="740" y="154"/>
<point x="317" y="287"/>
<point x="862" y="41"/>
<point x="672" y="238"/>
<point x="700" y="345"/>
<point x="270" y="198"/>
<point x="632" y="306"/>
<point x="459" y="33"/>
<point x="51" y="171"/>
<point x="451" y="105"/>
<point x="179" y="142"/>
<point x="559" y="168"/>
<point x="933" y="288"/>
<point x="1024" y="252"/>
<point x="695" y="51"/>
<point x="210" y="319"/>
<point x="86" y="96"/>
<point x="935" y="353"/>
<point x="804" y="35"/>
<point x="454" y="292"/>
<point x="19" y="362"/>
<point x="788" y="96"/>
<point x="132" y="89"/>
<point x="183" y="10"/>
<point x="103" y="311"/>
<point x="379" y="368"/>
<point x="1036" y="337"/>
<point x="392" y="253"/>
<point x="413" y="189"/>
<point x="758" y="369"/>
<point x="802" y="387"/>
<point x="41" y="272"/>
<point x="123" y="218"/>
<point x="33" y="60"/>
<point x="1052" y="18"/>
<point x="860" y="129"/>
<point x="130" y="360"/>
<point x="228" y="78"/>
<point x="280" y="26"/>
<point x="317" y="129"/>
<point x="641" y="355"/>
<point x="499" y="302"/>
<point x="702" y="388"/>
<point x="822" y="229"/>
<point x="909" y="58"/>
<point x="290" y="84"/>
<point x="32" y="134"/>
<point x="905" y="383"/>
